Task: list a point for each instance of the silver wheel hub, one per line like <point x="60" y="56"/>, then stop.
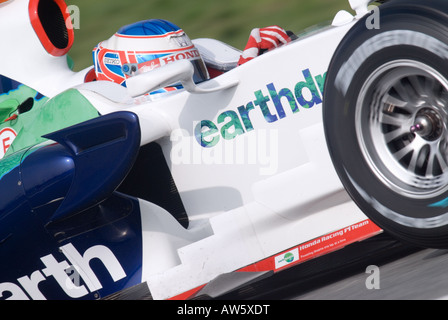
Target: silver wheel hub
<point x="428" y="124"/>
<point x="401" y="127"/>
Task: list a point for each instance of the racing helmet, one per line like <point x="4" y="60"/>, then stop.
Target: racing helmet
<point x="143" y="46"/>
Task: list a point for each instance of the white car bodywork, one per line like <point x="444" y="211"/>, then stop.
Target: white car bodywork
<point x="251" y="196"/>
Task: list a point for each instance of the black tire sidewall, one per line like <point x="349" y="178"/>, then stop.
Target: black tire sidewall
<point x="376" y="200"/>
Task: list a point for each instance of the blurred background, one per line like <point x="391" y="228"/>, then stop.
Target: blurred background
<point x="230" y="20"/>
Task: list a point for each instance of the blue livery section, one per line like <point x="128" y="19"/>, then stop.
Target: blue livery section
<point x="92" y="144"/>
<point x="65" y="233"/>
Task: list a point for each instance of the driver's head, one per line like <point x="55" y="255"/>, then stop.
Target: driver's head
<point x="143" y="46"/>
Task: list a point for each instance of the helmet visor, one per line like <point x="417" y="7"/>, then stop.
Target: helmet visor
<point x="151" y="62"/>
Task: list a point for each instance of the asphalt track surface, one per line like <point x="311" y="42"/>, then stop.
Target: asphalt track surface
<point x="422" y="275"/>
<point x="402" y="272"/>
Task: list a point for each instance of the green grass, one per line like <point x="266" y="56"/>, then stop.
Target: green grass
<point x="230" y="20"/>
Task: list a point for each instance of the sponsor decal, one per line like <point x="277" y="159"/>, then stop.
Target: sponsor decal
<point x="149" y="65"/>
<point x="114" y="61"/>
<point x="306" y="251"/>
<point x="286" y="258"/>
<point x="319" y="246"/>
<point x="7" y="136"/>
<point x="75" y="280"/>
<point x="233" y="123"/>
<point x="187" y="54"/>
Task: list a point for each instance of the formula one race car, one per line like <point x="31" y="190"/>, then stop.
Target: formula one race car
<point x="109" y="190"/>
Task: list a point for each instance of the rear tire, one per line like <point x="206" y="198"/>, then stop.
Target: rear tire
<point x="386" y="115"/>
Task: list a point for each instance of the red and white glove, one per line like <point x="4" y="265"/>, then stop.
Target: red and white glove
<point x="262" y="40"/>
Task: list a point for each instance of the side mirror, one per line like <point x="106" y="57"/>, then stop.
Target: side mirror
<point x="360" y="6"/>
<point x="182" y="71"/>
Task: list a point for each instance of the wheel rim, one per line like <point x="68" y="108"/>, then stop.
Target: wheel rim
<point x="401" y="127"/>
